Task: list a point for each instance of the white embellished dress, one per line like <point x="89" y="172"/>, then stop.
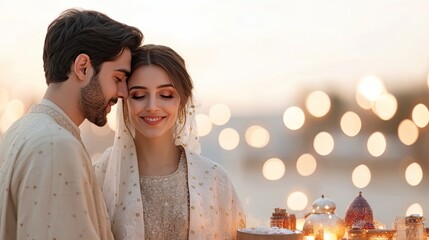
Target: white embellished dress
<point x="208" y="198"/>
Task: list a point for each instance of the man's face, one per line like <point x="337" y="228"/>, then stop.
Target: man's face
<point x="104" y="88"/>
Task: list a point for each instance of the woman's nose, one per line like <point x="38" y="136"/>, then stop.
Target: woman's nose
<point x="151" y="104"/>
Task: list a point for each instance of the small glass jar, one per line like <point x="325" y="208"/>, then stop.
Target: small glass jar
<point x="414" y="228"/>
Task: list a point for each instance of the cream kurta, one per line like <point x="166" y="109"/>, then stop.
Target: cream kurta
<point x="215" y="209"/>
<point x="47" y="184"/>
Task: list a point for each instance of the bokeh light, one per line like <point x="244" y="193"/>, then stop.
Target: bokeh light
<point x="13" y="111"/>
<point x="229" y="139"/>
<point x="351" y="124"/>
<point x="385" y="106"/>
<point x="297" y="201"/>
<point x="408" y="132"/>
<point x="4" y="99"/>
<point x="414" y="174"/>
<point x="361" y="176"/>
<point x="273" y="169"/>
<point x="306" y="164"/>
<point x="257" y="136"/>
<point x="420" y="115"/>
<point x="376" y="144"/>
<point x="323" y="143"/>
<point x="293" y="118"/>
<point x="371" y="87"/>
<point x="204" y="124"/>
<point x="318" y="103"/>
<point x="414" y="208"/>
<point x="219" y="114"/>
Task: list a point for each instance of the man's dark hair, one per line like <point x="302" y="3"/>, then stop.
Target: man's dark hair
<point x="83" y="31"/>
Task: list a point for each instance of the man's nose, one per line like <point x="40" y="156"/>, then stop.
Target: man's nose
<point x="122" y="89"/>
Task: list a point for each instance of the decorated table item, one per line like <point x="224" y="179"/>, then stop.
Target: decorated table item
<point x="359" y="214"/>
<point x="323" y="223"/>
<point x="273" y="233"/>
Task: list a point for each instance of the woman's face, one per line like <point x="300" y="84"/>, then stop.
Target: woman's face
<point x="153" y="102"/>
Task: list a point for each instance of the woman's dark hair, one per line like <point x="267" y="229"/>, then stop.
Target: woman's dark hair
<point x="83" y="31"/>
<point x="173" y="64"/>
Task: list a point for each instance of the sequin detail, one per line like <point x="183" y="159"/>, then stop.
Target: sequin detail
<point x="166" y="204"/>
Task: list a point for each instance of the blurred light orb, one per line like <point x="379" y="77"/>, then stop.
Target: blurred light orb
<point x="204" y="124"/>
<point x="351" y="124"/>
<point x="376" y="144"/>
<point x="414" y="209"/>
<point x="229" y="139"/>
<point x="297" y="201"/>
<point x="293" y="118"/>
<point x="219" y="114"/>
<point x="273" y="169"/>
<point x="385" y="106"/>
<point x="420" y="115"/>
<point x="414" y="174"/>
<point x="111" y="117"/>
<point x="363" y="102"/>
<point x="361" y="176"/>
<point x="257" y="136"/>
<point x="318" y="103"/>
<point x="306" y="164"/>
<point x="371" y="87"/>
<point x="13" y="111"/>
<point x="323" y="143"/>
<point x="4" y="99"/>
<point x="408" y="132"/>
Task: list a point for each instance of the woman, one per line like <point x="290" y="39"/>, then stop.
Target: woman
<point x="155" y="182"/>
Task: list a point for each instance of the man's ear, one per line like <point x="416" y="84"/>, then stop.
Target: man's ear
<point x="81" y="66"/>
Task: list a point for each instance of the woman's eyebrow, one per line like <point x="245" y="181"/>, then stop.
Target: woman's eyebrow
<point x="158" y="87"/>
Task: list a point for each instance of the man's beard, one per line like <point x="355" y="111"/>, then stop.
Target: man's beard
<point x="93" y="103"/>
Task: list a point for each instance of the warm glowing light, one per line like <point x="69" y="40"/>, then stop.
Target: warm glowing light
<point x="111" y="117"/>
<point x="420" y="115"/>
<point x="414" y="174"/>
<point x="361" y="176"/>
<point x="294" y="118"/>
<point x="323" y="143"/>
<point x="4" y="99"/>
<point x="318" y="103"/>
<point x="306" y="164"/>
<point x="351" y="124"/>
<point x="257" y="136"/>
<point x="414" y="209"/>
<point x="273" y="169"/>
<point x="376" y="144"/>
<point x="13" y="111"/>
<point x="362" y="101"/>
<point x="408" y="132"/>
<point x="297" y="201"/>
<point x="329" y="236"/>
<point x="229" y="139"/>
<point x="204" y="124"/>
<point x="371" y="87"/>
<point x="385" y="106"/>
<point x="219" y="114"/>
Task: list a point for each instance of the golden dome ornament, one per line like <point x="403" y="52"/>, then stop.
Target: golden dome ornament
<point x="323" y="223"/>
<point x="359" y="214"/>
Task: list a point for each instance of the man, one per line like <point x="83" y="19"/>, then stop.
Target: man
<point x="48" y="188"/>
